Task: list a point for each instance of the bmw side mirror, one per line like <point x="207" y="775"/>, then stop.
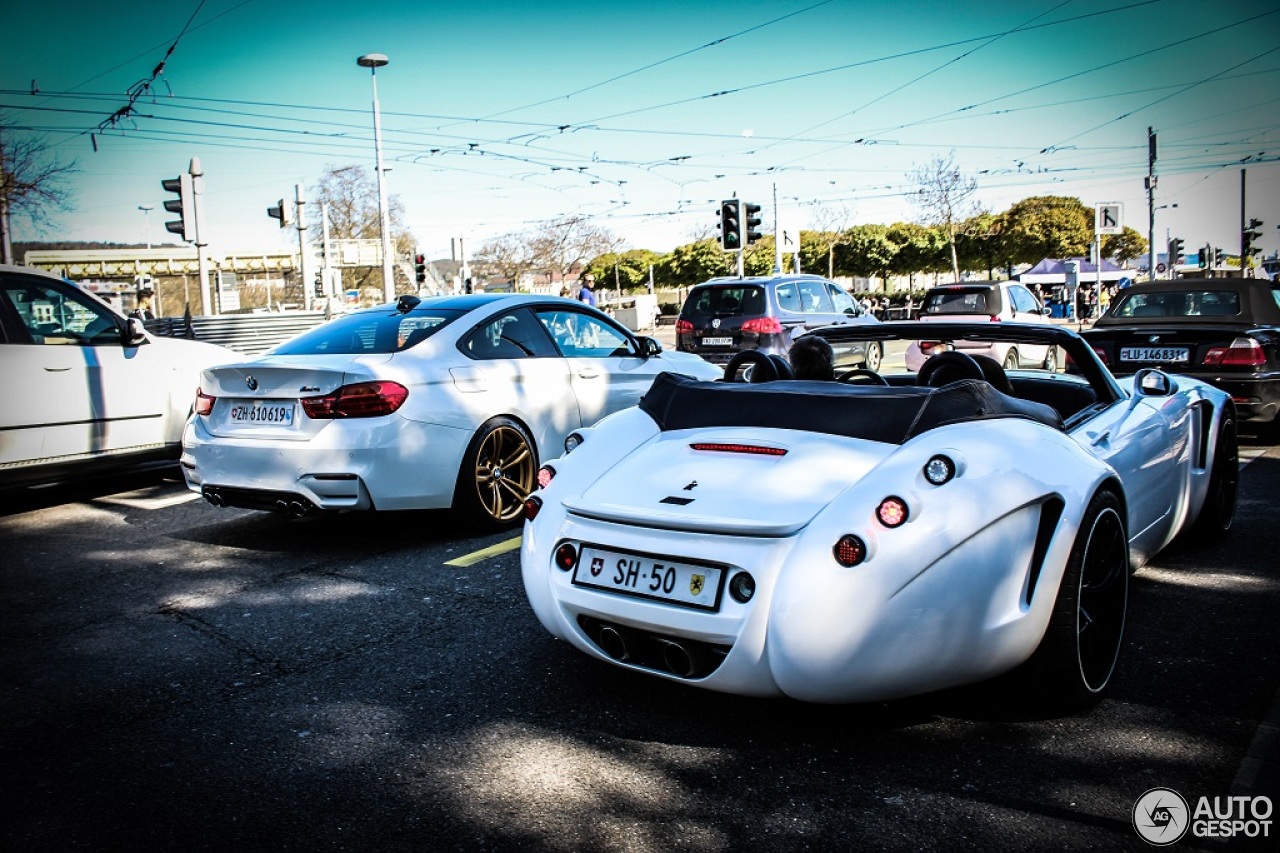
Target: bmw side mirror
<point x="134" y="335"/>
<point x="649" y="346"/>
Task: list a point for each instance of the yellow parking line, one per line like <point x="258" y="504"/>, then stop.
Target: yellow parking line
<point x="485" y="553"/>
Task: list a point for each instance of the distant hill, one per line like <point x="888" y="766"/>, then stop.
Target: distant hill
<point x="21" y="249"/>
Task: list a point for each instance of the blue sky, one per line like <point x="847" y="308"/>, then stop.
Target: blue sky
<point x="642" y="116"/>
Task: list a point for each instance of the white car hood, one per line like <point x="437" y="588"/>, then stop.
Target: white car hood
<point x="666" y="483"/>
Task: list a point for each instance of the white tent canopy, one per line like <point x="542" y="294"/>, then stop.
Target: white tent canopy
<point x="1053" y="271"/>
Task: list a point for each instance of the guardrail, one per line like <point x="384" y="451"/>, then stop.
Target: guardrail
<point x="250" y="334"/>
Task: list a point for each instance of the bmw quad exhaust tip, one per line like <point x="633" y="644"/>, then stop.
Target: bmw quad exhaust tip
<point x="613" y="643"/>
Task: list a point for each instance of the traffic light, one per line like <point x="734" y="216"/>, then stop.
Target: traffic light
<point x="420" y="269"/>
<point x="184" y="205"/>
<point x="731" y="225"/>
<point x="1249" y="237"/>
<point x="1175" y="252"/>
<point x="752" y="222"/>
<point x="281" y="212"/>
<point x="319" y="284"/>
<point x="1205" y="256"/>
<point x="1217" y="258"/>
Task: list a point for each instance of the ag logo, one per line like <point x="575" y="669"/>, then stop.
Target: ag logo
<point x="1161" y="816"/>
<point x="695" y="584"/>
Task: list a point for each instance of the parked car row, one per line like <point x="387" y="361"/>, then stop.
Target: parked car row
<point x="888" y="533"/>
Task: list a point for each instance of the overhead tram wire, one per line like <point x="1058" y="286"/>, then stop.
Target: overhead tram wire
<point x="655" y="64"/>
<point x="917" y="79"/>
<point x="859" y="64"/>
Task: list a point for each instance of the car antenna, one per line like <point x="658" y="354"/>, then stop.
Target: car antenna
<point x="407" y="303"/>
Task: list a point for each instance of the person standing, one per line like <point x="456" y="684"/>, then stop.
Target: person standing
<point x="143" y="310"/>
<point x="587" y="292"/>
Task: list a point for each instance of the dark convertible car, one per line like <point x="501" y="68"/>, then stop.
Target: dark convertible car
<point x="1224" y="331"/>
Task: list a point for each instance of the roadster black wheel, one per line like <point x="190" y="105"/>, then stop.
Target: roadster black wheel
<point x="498" y="472"/>
<point x="1076" y="660"/>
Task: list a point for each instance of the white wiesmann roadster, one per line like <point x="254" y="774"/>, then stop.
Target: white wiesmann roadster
<point x="880" y="536"/>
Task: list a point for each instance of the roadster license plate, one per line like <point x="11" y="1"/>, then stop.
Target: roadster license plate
<point x="717" y="342"/>
<point x="649" y="576"/>
<point x="1168" y="355"/>
<point x="257" y="412"/>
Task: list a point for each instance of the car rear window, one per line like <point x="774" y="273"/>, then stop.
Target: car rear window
<point x="1178" y="303"/>
<point x="369" y="332"/>
<point x="962" y="300"/>
<point x="729" y="300"/>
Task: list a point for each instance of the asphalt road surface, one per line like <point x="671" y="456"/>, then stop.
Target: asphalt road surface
<point x="178" y="677"/>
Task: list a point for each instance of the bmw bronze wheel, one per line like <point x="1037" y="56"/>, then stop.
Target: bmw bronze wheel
<point x="498" y="473"/>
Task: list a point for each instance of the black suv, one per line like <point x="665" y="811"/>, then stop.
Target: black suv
<point x="725" y="316"/>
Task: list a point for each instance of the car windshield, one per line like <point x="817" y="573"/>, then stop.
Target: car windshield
<point x="962" y="300"/>
<point x="370" y="332"/>
<point x="726" y="301"/>
<point x="1179" y="303"/>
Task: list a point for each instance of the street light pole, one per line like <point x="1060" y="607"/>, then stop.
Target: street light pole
<point x="146" y="222"/>
<point x="374" y="61"/>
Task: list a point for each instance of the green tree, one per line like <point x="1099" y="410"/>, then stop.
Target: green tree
<point x="626" y="271"/>
<point x="1046" y="227"/>
<point x="919" y="249"/>
<point x="980" y="243"/>
<point x="866" y="251"/>
<point x="1125" y="246"/>
<point x="694" y="263"/>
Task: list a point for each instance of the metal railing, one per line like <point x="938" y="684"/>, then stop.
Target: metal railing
<point x="250" y="334"/>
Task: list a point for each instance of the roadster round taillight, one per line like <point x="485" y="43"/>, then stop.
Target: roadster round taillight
<point x="892" y="511"/>
<point x="939" y="470"/>
<point x="566" y="557"/>
<point x="849" y="550"/>
<point x="532" y="506"/>
<point x="545" y="475"/>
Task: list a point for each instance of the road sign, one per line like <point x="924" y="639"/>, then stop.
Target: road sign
<point x="1108" y="217"/>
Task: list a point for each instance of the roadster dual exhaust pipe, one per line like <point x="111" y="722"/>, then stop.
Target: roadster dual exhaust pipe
<point x="677" y="658"/>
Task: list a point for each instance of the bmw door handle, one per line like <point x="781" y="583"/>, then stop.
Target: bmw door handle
<point x="56" y="369"/>
<point x="588" y="373"/>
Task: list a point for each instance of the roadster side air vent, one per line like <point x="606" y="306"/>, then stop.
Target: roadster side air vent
<point x="1050" y="514"/>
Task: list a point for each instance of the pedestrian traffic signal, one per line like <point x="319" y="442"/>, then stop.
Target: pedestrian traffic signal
<point x="752" y="222"/>
<point x="1248" y="238"/>
<point x="184" y="205"/>
<point x="281" y="212"/>
<point x="731" y="225"/>
<point x="1175" y="251"/>
<point x="420" y="269"/>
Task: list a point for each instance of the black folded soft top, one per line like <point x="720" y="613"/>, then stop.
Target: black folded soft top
<point x="891" y="415"/>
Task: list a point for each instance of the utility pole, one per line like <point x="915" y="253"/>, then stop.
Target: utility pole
<point x="304" y="267"/>
<point x="1151" y="204"/>
<point x="777" y="235"/>
<point x="202" y="260"/>
<point x="1244" y="240"/>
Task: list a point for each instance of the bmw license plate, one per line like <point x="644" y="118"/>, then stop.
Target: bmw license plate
<point x="717" y="342"/>
<point x="1168" y="355"/>
<point x="648" y="576"/>
<point x="261" y="412"/>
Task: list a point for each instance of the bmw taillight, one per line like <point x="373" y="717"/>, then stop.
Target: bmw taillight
<point x="1243" y="352"/>
<point x="361" y="400"/>
<point x="204" y="402"/>
<point x="763" y="326"/>
<point x="684" y="327"/>
<point x="1100" y="352"/>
